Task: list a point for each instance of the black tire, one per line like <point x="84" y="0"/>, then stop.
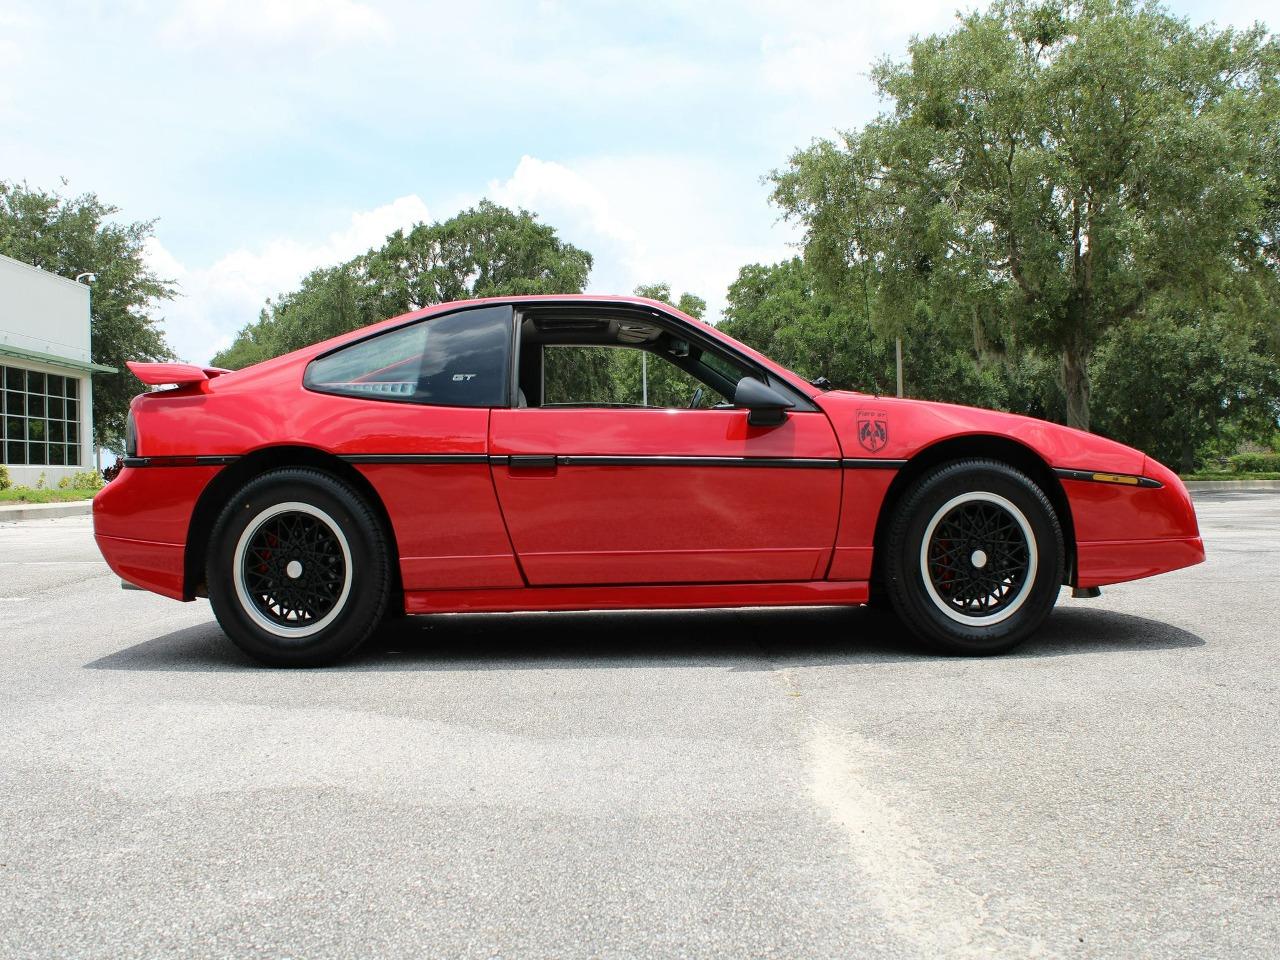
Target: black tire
<point x="878" y="598"/>
<point x="314" y="571"/>
<point x="975" y="558"/>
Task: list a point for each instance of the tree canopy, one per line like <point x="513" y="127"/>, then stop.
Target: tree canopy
<point x="74" y="235"/>
<point x="784" y="311"/>
<point x="1050" y="171"/>
<point x="689" y="303"/>
<point x="1069" y="209"/>
<point x="485" y="251"/>
<point x="622" y="375"/>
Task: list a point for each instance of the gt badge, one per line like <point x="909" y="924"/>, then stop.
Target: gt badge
<point x="873" y="429"/>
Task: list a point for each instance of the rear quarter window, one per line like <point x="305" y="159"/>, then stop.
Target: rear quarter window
<point x="457" y="360"/>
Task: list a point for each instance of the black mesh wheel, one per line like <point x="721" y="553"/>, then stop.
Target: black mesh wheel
<point x="974" y="557"/>
<point x="292" y="569"/>
<point x="979" y="558"/>
<point x="298" y="569"/>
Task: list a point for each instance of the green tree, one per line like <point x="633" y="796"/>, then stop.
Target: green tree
<point x="581" y="374"/>
<point x="624" y="375"/>
<point x="784" y="311"/>
<point x="688" y="303"/>
<point x="74" y="235"/>
<point x="1185" y="384"/>
<point x="1047" y="171"/>
<point x="662" y="382"/>
<point x="485" y="251"/>
<point x="329" y="301"/>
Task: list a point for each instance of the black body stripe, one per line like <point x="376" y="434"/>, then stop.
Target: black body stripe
<point x="802" y="463"/>
<point x="872" y="464"/>
<point x="219" y="460"/>
<point x="410" y="458"/>
<point x="661" y="461"/>
<point x="571" y="460"/>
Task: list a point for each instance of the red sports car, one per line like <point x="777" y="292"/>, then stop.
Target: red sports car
<point x="579" y="452"/>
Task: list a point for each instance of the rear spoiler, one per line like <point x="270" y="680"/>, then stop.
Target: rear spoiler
<point x="156" y="374"/>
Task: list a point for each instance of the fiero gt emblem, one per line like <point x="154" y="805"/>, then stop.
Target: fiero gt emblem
<point x="459" y="377"/>
<point x="873" y="429"/>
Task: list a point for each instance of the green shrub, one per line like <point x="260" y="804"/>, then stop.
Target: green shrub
<point x="1255" y="462"/>
<point x="83" y="480"/>
<point x="4" y="477"/>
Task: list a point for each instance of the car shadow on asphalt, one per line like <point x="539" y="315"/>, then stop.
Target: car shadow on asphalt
<point x="757" y="639"/>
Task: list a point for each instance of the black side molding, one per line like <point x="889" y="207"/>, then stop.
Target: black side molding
<point x="415" y="458"/>
<point x="588" y="460"/>
<point x="576" y="460"/>
<point x="215" y="460"/>
<point x="872" y="463"/>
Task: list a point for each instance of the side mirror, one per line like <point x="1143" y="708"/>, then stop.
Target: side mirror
<point x="766" y="406"/>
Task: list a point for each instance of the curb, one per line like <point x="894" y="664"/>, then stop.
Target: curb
<point x="1199" y="486"/>
<point x="45" y="511"/>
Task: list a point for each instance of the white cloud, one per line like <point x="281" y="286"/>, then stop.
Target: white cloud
<point x="217" y="300"/>
<point x="651" y="219"/>
<point x="643" y="134"/>
<point x="823" y="54"/>
<point x="274" y="21"/>
<point x="17" y="26"/>
<point x="646" y="219"/>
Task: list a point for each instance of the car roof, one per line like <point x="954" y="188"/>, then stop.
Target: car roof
<point x="305" y="354"/>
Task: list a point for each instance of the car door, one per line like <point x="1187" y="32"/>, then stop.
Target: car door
<point x="621" y="495"/>
<point x="409" y="409"/>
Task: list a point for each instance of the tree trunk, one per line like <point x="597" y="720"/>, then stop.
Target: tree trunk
<point x="1075" y="384"/>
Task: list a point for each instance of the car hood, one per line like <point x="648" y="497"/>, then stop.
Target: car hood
<point x="892" y="428"/>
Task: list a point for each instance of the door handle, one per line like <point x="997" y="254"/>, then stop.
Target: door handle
<point x="532" y="462"/>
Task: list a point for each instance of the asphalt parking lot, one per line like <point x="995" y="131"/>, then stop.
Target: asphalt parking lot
<point x="749" y="783"/>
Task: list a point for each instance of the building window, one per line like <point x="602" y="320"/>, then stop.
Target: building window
<point x="39" y="418"/>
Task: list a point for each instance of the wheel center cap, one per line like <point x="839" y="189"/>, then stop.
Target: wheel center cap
<point x="978" y="559"/>
<point x="294" y="569"/>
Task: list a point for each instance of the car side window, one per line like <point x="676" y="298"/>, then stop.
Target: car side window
<point x="607" y="376"/>
<point x="458" y="360"/>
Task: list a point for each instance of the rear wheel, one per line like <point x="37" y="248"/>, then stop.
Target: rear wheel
<point x="298" y="569"/>
<point x="975" y="557"/>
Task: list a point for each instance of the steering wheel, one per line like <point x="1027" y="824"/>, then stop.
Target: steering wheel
<point x="696" y="399"/>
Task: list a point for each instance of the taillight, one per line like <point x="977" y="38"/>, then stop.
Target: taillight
<point x="130" y="436"/>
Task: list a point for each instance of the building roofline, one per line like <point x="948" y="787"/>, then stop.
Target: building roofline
<point x="42" y="272"/>
<point x="7" y="350"/>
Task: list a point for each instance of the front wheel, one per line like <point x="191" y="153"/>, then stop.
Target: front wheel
<point x="298" y="569"/>
<point x="975" y="557"/>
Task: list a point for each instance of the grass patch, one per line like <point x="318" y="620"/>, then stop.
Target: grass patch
<point x="54" y="495"/>
<point x="1231" y="475"/>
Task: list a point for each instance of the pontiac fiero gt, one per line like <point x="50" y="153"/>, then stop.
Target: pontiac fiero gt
<point x="507" y="454"/>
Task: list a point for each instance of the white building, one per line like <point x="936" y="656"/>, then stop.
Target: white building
<point x="46" y="401"/>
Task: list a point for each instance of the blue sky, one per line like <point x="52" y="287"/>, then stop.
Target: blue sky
<point x="273" y="136"/>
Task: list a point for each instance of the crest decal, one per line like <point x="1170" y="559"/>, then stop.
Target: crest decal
<point x="873" y="429"/>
